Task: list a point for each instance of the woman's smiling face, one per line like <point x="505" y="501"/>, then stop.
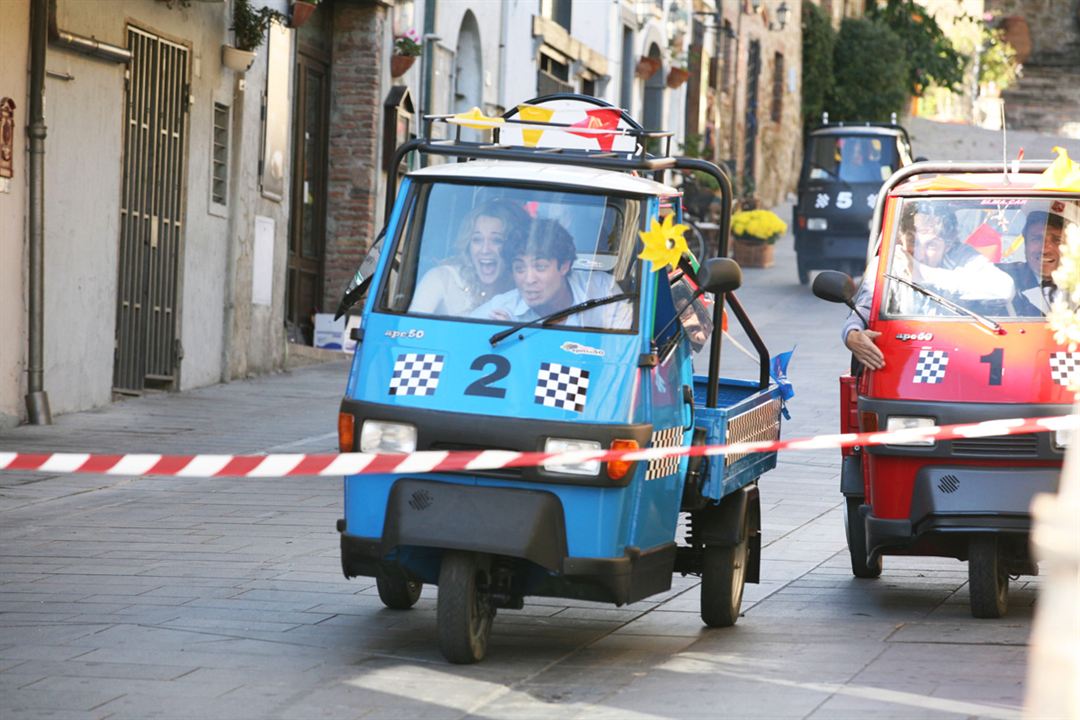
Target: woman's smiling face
<point x="485" y="249"/>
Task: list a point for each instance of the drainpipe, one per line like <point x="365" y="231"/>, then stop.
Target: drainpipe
<point x="503" y="24"/>
<point x="37" y="400"/>
<point x="426" y="66"/>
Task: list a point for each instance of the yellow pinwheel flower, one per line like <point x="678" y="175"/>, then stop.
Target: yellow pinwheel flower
<point x="664" y="243"/>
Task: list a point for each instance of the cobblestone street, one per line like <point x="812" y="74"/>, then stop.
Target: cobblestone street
<point x="183" y="598"/>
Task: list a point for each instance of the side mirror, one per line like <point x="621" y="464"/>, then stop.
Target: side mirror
<point x="719" y="275"/>
<point x="362" y="279"/>
<point x="834" y="286"/>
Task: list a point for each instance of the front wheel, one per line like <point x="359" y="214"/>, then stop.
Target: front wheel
<point x="988" y="578"/>
<point x="723" y="577"/>
<point x="396" y="591"/>
<point x="861" y="567"/>
<point x="464" y="612"/>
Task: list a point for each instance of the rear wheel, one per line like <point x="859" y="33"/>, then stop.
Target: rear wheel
<point x="464" y="612"/>
<point x="396" y="591"/>
<point x="856" y="542"/>
<point x="723" y="577"/>
<point x="804" y="271"/>
<point x="988" y="578"/>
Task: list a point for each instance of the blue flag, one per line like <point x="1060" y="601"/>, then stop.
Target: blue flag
<point x="778" y="366"/>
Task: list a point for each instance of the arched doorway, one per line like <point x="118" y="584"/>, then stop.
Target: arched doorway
<point x="468" y="88"/>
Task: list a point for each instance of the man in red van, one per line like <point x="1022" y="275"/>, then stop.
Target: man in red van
<point x="1035" y="287"/>
<point x="931" y="255"/>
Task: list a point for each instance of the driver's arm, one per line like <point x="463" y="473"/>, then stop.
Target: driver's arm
<point x="858" y="339"/>
<point x="975" y="279"/>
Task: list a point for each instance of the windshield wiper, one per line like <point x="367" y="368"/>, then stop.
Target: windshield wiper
<point x="560" y="314"/>
<point x="835" y="174"/>
<point x="959" y="309"/>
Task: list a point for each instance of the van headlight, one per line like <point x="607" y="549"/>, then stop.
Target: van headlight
<point x="1061" y="438"/>
<point x="564" y="445"/>
<point x="377" y="436"/>
<point x="902" y="422"/>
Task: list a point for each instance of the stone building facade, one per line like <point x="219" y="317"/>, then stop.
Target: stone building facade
<point x="1046" y="33"/>
<point x="752" y="90"/>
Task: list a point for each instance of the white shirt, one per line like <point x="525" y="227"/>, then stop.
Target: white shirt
<point x="584" y="286"/>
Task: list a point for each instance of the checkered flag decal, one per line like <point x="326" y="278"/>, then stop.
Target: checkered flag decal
<point x="1065" y="367"/>
<point x="931" y="367"/>
<point x="416" y="374"/>
<point x="562" y="386"/>
<point x="662" y="467"/>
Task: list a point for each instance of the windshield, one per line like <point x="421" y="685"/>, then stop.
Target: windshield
<point x="990" y="256"/>
<point x="513" y="255"/>
<point x="853" y="158"/>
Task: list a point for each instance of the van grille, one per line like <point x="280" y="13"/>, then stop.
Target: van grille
<point x="1016" y="446"/>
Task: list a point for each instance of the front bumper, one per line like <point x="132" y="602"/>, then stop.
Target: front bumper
<point x="424" y="518"/>
<point x="816" y="246"/>
<point x="951" y="499"/>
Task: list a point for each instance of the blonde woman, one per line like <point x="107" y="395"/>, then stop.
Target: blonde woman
<point x="478" y="271"/>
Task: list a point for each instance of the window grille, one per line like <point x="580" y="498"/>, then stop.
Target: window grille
<point x="219" y="162"/>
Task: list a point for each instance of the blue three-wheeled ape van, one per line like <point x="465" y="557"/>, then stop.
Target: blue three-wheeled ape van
<point x="508" y="310"/>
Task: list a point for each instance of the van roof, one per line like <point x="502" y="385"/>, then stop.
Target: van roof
<point x="976" y="183"/>
<point x="858" y="130"/>
<point x="585" y="177"/>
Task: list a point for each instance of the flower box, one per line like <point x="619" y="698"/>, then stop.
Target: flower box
<point x="753" y="253"/>
<point x="400" y="64"/>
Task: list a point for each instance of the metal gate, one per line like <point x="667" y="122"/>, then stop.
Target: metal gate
<point x="151" y="213"/>
<point x="753" y="72"/>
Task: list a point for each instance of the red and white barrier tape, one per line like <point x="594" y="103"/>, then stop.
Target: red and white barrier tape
<point x="283" y="465"/>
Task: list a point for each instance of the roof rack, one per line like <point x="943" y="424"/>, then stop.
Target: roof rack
<point x="639" y="160"/>
<point x="511" y="118"/>
<point x="935" y="168"/>
<point x="891" y="125"/>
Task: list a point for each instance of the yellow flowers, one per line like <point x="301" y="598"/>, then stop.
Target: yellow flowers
<point x="1064" y="315"/>
<point x="760" y="225"/>
<point x="664" y="243"/>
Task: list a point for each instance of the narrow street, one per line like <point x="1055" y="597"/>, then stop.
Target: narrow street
<point x="174" y="597"/>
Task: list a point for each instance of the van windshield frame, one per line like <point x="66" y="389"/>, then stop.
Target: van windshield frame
<point x="571" y="244"/>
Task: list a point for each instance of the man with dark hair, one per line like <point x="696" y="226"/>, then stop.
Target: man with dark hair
<point x="1035" y="288"/>
<point x="541" y="263"/>
<point x="928" y="252"/>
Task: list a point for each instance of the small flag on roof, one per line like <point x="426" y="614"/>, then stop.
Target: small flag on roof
<point x="476" y="119"/>
<point x="1063" y="174"/>
<point x="533" y="113"/>
<point x="602" y="119"/>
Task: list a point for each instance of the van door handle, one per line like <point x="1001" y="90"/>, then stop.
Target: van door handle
<point x="688" y="399"/>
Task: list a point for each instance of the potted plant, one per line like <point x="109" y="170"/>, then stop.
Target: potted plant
<point x="249" y="28"/>
<point x="756" y="233"/>
<point x="677" y="76"/>
<point x="406" y="50"/>
<point x="679" y="72"/>
<point x="646" y="67"/>
<point x="301" y="12"/>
